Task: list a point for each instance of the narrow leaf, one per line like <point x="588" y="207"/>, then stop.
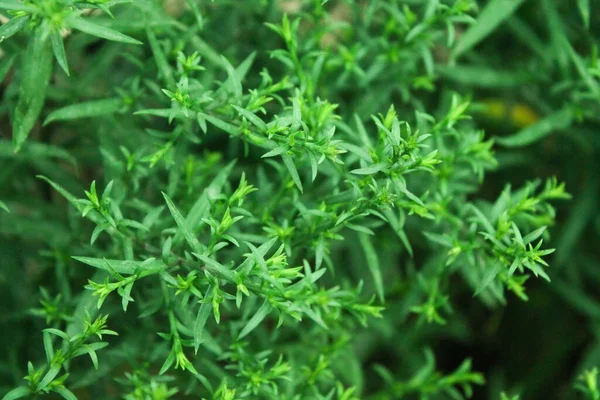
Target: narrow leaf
<point x="255" y="120"/>
<point x="65" y="393"/>
<point x="91" y="28"/>
<point x="94" y="108"/>
<point x="189" y="236"/>
<point x="372" y="263"/>
<point x="127" y="267"/>
<point x="494" y="13"/>
<point x="489" y="277"/>
<point x="159" y="57"/>
<point x="584" y="10"/>
<point x="370" y="170"/>
<point x="215" y="267"/>
<point x="13" y="26"/>
<point x="5" y="67"/>
<point x="36" y="71"/>
<point x="58" y="47"/>
<point x="15" y="5"/>
<point x="201" y="318"/>
<point x="17" y="393"/>
<point x="262" y="312"/>
<point x="287" y="160"/>
<point x="233" y="81"/>
<point x="559" y="120"/>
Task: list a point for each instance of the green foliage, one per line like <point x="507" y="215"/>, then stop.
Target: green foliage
<point x="293" y="199"/>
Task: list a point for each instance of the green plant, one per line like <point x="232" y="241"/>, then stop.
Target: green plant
<point x="282" y="192"/>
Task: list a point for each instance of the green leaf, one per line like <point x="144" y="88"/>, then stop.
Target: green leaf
<point x="561" y="119"/>
<point x="88" y="109"/>
<point x="58" y="47"/>
<point x="200" y="209"/>
<point x="370" y="170"/>
<point x="256" y="319"/>
<point x="91" y="28"/>
<point x="35" y="76"/>
<point x="494" y="13"/>
<point x="372" y="264"/>
<point x="224" y="126"/>
<point x="201" y="318"/>
<point x="581" y="67"/>
<point x="256" y="121"/>
<point x="233" y="81"/>
<point x="188" y="234"/>
<point x="4" y="206"/>
<point x="5" y="67"/>
<point x="487" y="225"/>
<point x="17" y="393"/>
<point x="584" y="10"/>
<point x="65" y="393"/>
<point x="217" y="268"/>
<point x="74" y="201"/>
<point x="159" y="57"/>
<point x="127" y="267"/>
<point x="289" y="163"/>
<point x="491" y="274"/>
<point x="13" y="26"/>
<point x="15" y="5"/>
<point x="58" y="333"/>
<point x="48" y="348"/>
<point x="48" y="378"/>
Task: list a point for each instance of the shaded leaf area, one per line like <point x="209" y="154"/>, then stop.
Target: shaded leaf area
<point x="299" y="199"/>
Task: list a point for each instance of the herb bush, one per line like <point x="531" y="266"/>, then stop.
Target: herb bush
<point x="297" y="200"/>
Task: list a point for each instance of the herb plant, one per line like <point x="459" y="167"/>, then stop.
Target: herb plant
<point x="299" y="199"/>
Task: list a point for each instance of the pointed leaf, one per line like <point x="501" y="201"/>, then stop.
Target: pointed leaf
<point x="201" y="318"/>
<point x="494" y="13"/>
<point x="91" y="28"/>
<point x="189" y="236"/>
<point x="17" y="393"/>
<point x="491" y="274"/>
<point x="262" y="312"/>
<point x="94" y="108"/>
<point x="65" y="393"/>
<point x="372" y="264"/>
<point x="58" y="47"/>
<point x="253" y="118"/>
<point x="561" y="119"/>
<point x="36" y="71"/>
<point x="289" y="163"/>
<point x="13" y="26"/>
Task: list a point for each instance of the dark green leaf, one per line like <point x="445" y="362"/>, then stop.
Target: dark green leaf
<point x="256" y="319"/>
<point x="494" y="13"/>
<point x="13" y="26"/>
<point x="89" y="109"/>
<point x="35" y="76"/>
<point x="91" y="28"/>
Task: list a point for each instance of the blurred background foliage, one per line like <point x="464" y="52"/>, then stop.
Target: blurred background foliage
<point x="533" y="81"/>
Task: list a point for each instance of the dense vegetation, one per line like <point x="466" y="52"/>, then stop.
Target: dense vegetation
<point x="299" y="199"/>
